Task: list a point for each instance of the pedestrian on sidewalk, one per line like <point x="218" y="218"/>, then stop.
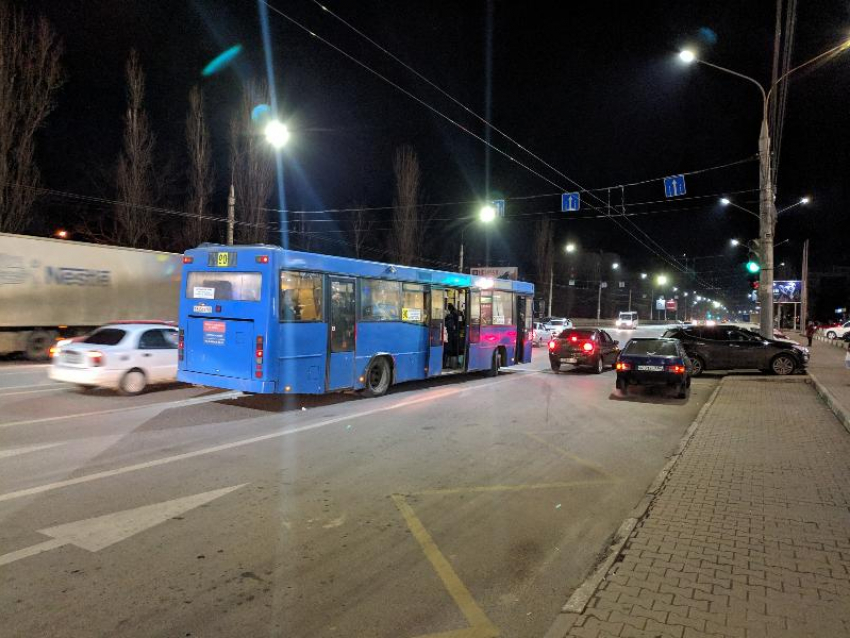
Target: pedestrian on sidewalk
<point x="810" y="331"/>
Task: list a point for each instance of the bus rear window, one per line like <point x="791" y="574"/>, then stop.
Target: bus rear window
<point x="224" y="286"/>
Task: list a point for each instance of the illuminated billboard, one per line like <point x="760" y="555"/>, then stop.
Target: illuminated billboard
<point x="788" y="291"/>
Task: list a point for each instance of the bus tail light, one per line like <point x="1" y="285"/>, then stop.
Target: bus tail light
<point x="258" y="353"/>
<point x="622" y="366"/>
<point x="262" y="259"/>
<point x="180" y="345"/>
<point x="187" y="259"/>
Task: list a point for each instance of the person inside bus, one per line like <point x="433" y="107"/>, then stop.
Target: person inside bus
<point x="452" y="333"/>
<point x="287" y="310"/>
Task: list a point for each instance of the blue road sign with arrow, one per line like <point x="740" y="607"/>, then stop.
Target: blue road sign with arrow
<point x="499" y="205"/>
<point x="674" y="186"/>
<point x="570" y="202"/>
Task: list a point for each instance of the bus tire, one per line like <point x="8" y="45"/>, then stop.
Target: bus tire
<point x="378" y="378"/>
<point x="495" y="363"/>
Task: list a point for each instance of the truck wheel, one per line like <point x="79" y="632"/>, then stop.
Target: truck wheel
<point x="133" y="382"/>
<point x="38" y="344"/>
<point x="378" y="378"/>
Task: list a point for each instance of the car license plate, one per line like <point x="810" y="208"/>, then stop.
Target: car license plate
<point x="570" y="360"/>
<point x="651" y="368"/>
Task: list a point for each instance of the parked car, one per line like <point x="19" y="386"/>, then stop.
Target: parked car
<point x="125" y="356"/>
<point x="627" y="320"/>
<point x="556" y="324"/>
<point x="837" y="332"/>
<point x="592" y="348"/>
<point x="730" y="347"/>
<point x="654" y="362"/>
<point x="541" y="334"/>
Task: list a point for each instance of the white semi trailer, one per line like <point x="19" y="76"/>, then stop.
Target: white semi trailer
<point x="54" y="288"/>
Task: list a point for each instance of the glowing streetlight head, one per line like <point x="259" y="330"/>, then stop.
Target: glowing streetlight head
<point x="687" y="56"/>
<point x="734" y="242"/>
<point x="570" y="248"/>
<point x="615" y="265"/>
<point x="487" y="214"/>
<point x="725" y="201"/>
<point x="675" y="289"/>
<point x="662" y="280"/>
<point x="643" y="275"/>
<point x="805" y="200"/>
<point x="276" y="133"/>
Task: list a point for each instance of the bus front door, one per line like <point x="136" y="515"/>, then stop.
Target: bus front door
<point x="523" y="314"/>
<point x="341" y="336"/>
<point x="435" y="331"/>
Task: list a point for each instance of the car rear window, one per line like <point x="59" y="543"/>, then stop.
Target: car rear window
<point x="652" y="346"/>
<point x="106" y="337"/>
<point x="579" y="334"/>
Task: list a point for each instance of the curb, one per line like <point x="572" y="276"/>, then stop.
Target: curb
<point x="579" y="599"/>
<point x="837" y="409"/>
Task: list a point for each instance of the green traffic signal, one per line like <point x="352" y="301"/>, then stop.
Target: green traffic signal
<point x="753" y="267"/>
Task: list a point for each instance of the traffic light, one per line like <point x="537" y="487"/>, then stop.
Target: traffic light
<point x="753" y="267"/>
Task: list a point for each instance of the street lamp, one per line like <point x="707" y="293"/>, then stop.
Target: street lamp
<point x="662" y="280"/>
<point x="725" y="201"/>
<point x="570" y="248"/>
<point x="643" y="275"/>
<point x="734" y="242"/>
<point x="805" y="200"/>
<point x="277" y="134"/>
<point x="615" y="266"/>
<point x="767" y="208"/>
<point x="487" y="214"/>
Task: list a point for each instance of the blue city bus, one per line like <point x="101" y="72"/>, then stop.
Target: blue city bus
<point x="262" y="319"/>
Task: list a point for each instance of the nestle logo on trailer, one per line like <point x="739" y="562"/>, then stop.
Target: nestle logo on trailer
<point x="76" y="276"/>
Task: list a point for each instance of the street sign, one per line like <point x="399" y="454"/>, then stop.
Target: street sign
<point x="570" y="202"/>
<point x="674" y="186"/>
<point x="671" y="304"/>
<point x="496" y="272"/>
<point x="622" y="284"/>
<point x="659" y="303"/>
<point x="603" y="284"/>
<point x="499" y="205"/>
<point x="572" y="282"/>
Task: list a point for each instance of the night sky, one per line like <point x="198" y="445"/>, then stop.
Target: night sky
<point x="595" y="89"/>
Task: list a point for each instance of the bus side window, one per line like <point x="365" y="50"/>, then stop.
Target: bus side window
<point x="380" y="300"/>
<point x="413" y="304"/>
<point x="503" y="308"/>
<point x="474" y="316"/>
<point x="486" y="308"/>
<point x="300" y="296"/>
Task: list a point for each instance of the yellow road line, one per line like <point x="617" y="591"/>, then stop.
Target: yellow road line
<point x="481" y="627"/>
<point x="569" y="455"/>
<point x="513" y="488"/>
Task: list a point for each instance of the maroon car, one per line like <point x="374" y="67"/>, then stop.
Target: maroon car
<point x="592" y="348"/>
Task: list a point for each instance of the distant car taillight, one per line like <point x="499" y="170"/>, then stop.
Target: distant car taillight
<point x="180" y="345"/>
<point x="552" y="344"/>
<point x="96" y="358"/>
<point x="622" y="366"/>
<point x="259" y="358"/>
<point x="587" y="346"/>
<point x="676" y="369"/>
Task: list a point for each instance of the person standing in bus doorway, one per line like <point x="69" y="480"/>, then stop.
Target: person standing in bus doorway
<point x="452" y="329"/>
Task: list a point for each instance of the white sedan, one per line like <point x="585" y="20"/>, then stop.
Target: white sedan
<point x="837" y="332"/>
<point x="124" y="356"/>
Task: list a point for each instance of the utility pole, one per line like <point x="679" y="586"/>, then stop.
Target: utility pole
<point x="804" y="292"/>
<point x="460" y="263"/>
<point x="551" y="278"/>
<point x="599" y="303"/>
<point x="767" y="225"/>
<point x="630" y="298"/>
<point x="231" y="214"/>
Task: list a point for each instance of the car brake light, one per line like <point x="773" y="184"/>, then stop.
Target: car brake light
<point x="187" y="259"/>
<point x="96" y="357"/>
<point x="676" y="369"/>
<point x="574" y="338"/>
<point x="622" y="366"/>
<point x="552" y="344"/>
<point x="587" y="347"/>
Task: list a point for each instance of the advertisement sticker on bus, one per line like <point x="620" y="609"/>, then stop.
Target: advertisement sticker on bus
<point x="199" y="292"/>
<point x="411" y="314"/>
<point x="214" y="332"/>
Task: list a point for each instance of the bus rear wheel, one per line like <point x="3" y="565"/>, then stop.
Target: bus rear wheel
<point x="377" y="378"/>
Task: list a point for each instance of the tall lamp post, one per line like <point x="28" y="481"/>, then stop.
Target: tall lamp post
<point x="767" y="208"/>
<point x="486" y="215"/>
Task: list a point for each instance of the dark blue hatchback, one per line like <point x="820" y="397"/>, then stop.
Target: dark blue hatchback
<point x="654" y="362"/>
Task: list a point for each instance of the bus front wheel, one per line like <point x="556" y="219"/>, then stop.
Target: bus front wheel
<point x="378" y="378"/>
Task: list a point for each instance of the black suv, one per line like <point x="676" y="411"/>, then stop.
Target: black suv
<point x="728" y="347"/>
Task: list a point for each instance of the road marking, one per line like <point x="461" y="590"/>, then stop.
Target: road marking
<point x="14" y="394"/>
<point x="14" y="369"/>
<point x="569" y="455"/>
<point x="512" y="488"/>
<point x="169" y="404"/>
<point x="5" y="454"/>
<point x="481" y="627"/>
<point x="38" y="385"/>
<point x="429" y="396"/>
<point x="94" y="534"/>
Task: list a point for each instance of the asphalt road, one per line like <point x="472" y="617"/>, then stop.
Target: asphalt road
<point x="466" y="507"/>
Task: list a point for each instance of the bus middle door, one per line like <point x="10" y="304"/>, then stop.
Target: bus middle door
<point x="435" y="331"/>
<point x="341" y="338"/>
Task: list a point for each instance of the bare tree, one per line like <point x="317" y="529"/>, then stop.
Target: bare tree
<point x="544" y="254"/>
<point x="30" y="74"/>
<point x="252" y="168"/>
<point x="361" y="229"/>
<point x="200" y="171"/>
<point x="135" y="224"/>
<point x="406" y="221"/>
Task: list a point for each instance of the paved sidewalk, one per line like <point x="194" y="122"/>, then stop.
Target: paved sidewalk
<point x="749" y="536"/>
<point x="827" y="369"/>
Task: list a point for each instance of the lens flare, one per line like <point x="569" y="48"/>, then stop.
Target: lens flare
<point x="222" y="60"/>
<point x="260" y="112"/>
